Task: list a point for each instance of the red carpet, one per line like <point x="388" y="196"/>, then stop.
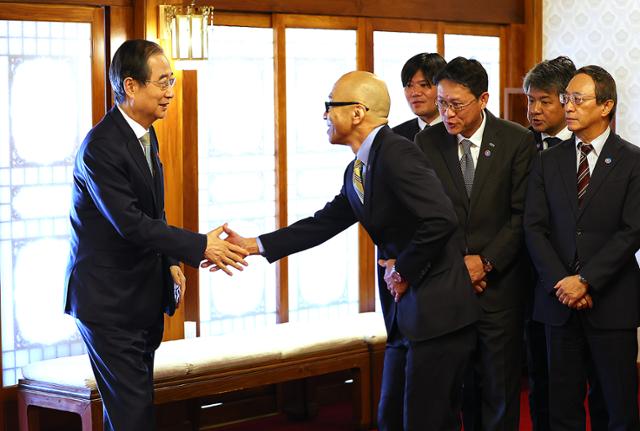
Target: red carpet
<point x="337" y="417"/>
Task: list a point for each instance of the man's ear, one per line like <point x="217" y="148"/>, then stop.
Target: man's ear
<point x="130" y="86"/>
<point x="358" y="114"/>
<point x="484" y="99"/>
<point x="607" y="107"/>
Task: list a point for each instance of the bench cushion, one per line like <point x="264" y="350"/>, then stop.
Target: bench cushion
<point x="196" y="356"/>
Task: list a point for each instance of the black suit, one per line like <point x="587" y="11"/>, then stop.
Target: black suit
<point x="409" y="129"/>
<point x="536" y="346"/>
<point x="410" y="219"/>
<point x="490" y="224"/>
<point x="601" y="237"/>
<point x="118" y="281"/>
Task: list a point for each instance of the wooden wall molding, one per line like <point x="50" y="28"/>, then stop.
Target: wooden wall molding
<point x="75" y="2"/>
<point x="475" y="11"/>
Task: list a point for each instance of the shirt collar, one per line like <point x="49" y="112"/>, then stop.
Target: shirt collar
<point x="598" y="142"/>
<point x="563" y="134"/>
<point x="138" y="130"/>
<point x="476" y="138"/>
<point x="365" y="148"/>
<point x="422" y="124"/>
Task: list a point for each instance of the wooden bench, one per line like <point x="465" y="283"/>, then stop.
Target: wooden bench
<point x="200" y="367"/>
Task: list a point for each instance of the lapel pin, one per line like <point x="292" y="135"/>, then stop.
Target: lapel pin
<point x="608" y="160"/>
<point x="487" y="153"/>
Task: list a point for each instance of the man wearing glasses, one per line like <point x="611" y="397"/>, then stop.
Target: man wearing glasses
<point x="427" y="301"/>
<point x="582" y="228"/>
<point x="483" y="163"/>
<point x="124" y="257"/>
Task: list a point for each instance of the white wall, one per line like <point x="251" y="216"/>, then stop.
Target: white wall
<point x="606" y="33"/>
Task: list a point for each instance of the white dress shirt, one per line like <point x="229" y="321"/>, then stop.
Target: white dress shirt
<point x="592" y="157"/>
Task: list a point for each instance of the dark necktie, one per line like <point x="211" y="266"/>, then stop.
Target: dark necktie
<point x="583" y="171"/>
<point x="466" y="165"/>
<point x="551" y="141"/>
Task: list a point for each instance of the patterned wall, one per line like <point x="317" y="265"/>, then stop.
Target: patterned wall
<point x="602" y="32"/>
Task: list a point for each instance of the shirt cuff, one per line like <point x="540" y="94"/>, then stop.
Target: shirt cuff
<point x="260" y="247"/>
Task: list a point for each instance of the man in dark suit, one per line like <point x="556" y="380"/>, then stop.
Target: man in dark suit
<point x="543" y="85"/>
<point x="124" y="256"/>
<point x="582" y="231"/>
<point x="427" y="300"/>
<point x="417" y="79"/>
<point x="483" y="163"/>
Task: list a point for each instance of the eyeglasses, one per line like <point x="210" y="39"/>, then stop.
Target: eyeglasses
<point x="164" y="83"/>
<point x="328" y="105"/>
<point x="443" y="105"/>
<point x="575" y="98"/>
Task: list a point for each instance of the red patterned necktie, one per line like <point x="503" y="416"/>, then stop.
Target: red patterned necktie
<point x="583" y="171"/>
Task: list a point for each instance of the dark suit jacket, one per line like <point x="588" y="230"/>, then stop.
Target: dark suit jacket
<point x="603" y="234"/>
<point x="490" y="223"/>
<point x="537" y="138"/>
<point x="408" y="129"/>
<point x="409" y="218"/>
<point x="121" y="245"/>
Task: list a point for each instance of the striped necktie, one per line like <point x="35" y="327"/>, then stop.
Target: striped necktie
<point x="466" y="165"/>
<point x="146" y="144"/>
<point x="358" y="184"/>
<point x="583" y="171"/>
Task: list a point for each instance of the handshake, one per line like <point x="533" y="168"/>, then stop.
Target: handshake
<point x="229" y="251"/>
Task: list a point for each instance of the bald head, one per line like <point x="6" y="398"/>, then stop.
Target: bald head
<point x="366" y="88"/>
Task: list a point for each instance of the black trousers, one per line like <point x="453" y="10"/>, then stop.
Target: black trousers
<point x="538" y="374"/>
<point x="421" y="382"/>
<point x="492" y="382"/>
<point x="122" y="362"/>
<point x="613" y="354"/>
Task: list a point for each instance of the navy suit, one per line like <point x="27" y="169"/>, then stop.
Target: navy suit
<point x="409" y="129"/>
<point x="118" y="281"/>
<point x="489" y="223"/>
<point x="600" y="238"/>
<point x="409" y="218"/>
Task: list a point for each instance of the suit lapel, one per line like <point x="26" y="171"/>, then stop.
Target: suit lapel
<point x="371" y="166"/>
<point x="568" y="172"/>
<point x="488" y="152"/>
<point x="449" y="149"/>
<point x="135" y="149"/>
<point x="158" y="180"/>
<point x="607" y="160"/>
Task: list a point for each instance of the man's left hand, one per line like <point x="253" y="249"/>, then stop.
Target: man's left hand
<point x="179" y="280"/>
<point x="570" y="289"/>
<point x="395" y="287"/>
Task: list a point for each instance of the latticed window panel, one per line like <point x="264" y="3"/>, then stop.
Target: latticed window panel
<point x="45" y="111"/>
<point x="323" y="282"/>
<point x="236" y="169"/>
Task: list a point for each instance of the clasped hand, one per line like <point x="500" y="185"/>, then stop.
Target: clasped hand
<point x="395" y="288"/>
<point x="572" y="292"/>
<point x="477" y="273"/>
<point x="221" y="253"/>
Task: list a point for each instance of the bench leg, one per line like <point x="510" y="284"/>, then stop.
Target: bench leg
<point x="362" y="395"/>
<point x="91" y="416"/>
<point x="28" y="415"/>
